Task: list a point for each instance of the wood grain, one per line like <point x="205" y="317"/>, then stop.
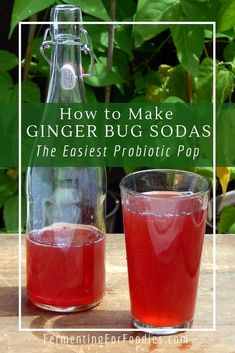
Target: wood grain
<point x="114" y="311"/>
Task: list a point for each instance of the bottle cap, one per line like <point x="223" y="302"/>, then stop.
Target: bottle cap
<point x="69" y="32"/>
<point x="65" y="13"/>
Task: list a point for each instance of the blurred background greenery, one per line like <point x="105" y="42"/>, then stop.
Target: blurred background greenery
<point x="137" y="63"/>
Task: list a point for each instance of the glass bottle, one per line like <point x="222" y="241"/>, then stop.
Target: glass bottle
<point x="65" y="235"/>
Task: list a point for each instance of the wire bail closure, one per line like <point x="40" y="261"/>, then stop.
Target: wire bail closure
<point x="85" y="47"/>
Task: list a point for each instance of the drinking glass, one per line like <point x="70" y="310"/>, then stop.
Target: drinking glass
<point x="164" y="214"/>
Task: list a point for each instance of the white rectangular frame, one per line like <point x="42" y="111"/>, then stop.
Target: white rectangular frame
<point x="213" y="328"/>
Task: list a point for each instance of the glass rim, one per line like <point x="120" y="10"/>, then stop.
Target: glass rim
<point x="173" y="171"/>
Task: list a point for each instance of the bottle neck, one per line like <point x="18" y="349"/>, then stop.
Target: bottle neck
<point x="66" y="83"/>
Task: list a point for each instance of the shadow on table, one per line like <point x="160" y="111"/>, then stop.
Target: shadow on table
<point x="8" y="301"/>
<point x="92" y="319"/>
<point x="98" y="317"/>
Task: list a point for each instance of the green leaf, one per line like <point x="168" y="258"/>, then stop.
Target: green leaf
<point x="226" y="18"/>
<point x="123" y="39"/>
<point x="224" y="84"/>
<point x="225" y="136"/>
<point x="6" y="96"/>
<point x="103" y="77"/>
<point x="152" y="10"/>
<point x="167" y="81"/>
<point x="188" y="41"/>
<point x="119" y="67"/>
<point x="8" y="60"/>
<point x="30" y="92"/>
<point x="39" y="69"/>
<point x="99" y="37"/>
<point x="229" y="52"/>
<point x="10" y="213"/>
<point x="226" y="35"/>
<point x="204" y="171"/>
<point x="5" y="80"/>
<point x="6" y="85"/>
<point x="36" y="48"/>
<point x="205" y="81"/>
<point x="232" y="229"/>
<point x="38" y="66"/>
<point x="201" y="10"/>
<point x="227" y="218"/>
<point x="139" y="99"/>
<point x="92" y="7"/>
<point x="25" y="8"/>
<point x="173" y="99"/>
<point x="232" y="175"/>
<point x="139" y="81"/>
<point x="125" y="9"/>
<point x="90" y="95"/>
<point x="8" y="187"/>
<point x="120" y="63"/>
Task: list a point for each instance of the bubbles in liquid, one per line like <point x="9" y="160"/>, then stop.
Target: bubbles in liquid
<point x="164" y="204"/>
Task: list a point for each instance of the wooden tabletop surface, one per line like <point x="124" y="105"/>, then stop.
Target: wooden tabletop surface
<point x="114" y="310"/>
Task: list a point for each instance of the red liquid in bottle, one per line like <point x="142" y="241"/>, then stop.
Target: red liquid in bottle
<point x="65" y="265"/>
<point x="163" y="241"/>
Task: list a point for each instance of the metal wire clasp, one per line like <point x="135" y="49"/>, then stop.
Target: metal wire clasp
<point x="46" y="44"/>
<point x="85" y="47"/>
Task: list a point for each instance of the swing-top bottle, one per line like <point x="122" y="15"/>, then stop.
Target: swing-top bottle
<point x="65" y="238"/>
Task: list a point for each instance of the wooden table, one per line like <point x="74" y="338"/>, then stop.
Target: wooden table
<point x="114" y="311"/>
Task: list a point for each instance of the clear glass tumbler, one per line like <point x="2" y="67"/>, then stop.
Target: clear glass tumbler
<point x="164" y="214"/>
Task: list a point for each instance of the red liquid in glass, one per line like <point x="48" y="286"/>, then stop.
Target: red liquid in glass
<point x="65" y="265"/>
<point x="164" y="240"/>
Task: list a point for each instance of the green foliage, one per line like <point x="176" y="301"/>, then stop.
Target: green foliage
<point x="227" y="219"/>
<point x="204" y="81"/>
<point x="140" y="72"/>
<point x="166" y="82"/>
<point x="38" y="65"/>
<point x="95" y="8"/>
<point x="103" y="77"/>
<point x="158" y="11"/>
<point x="231" y="229"/>
<point x="99" y="35"/>
<point x="30" y="92"/>
<point x="90" y="94"/>
<point x="122" y="39"/>
<point x="224" y="83"/>
<point x="229" y="53"/>
<point x="25" y="8"/>
<point x="201" y="10"/>
<point x="10" y="213"/>
<point x="227" y="15"/>
<point x="8" y="60"/>
<point x="8" y="193"/>
<point x="8" y="187"/>
<point x="125" y="10"/>
<point x="188" y="41"/>
<point x="6" y="87"/>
